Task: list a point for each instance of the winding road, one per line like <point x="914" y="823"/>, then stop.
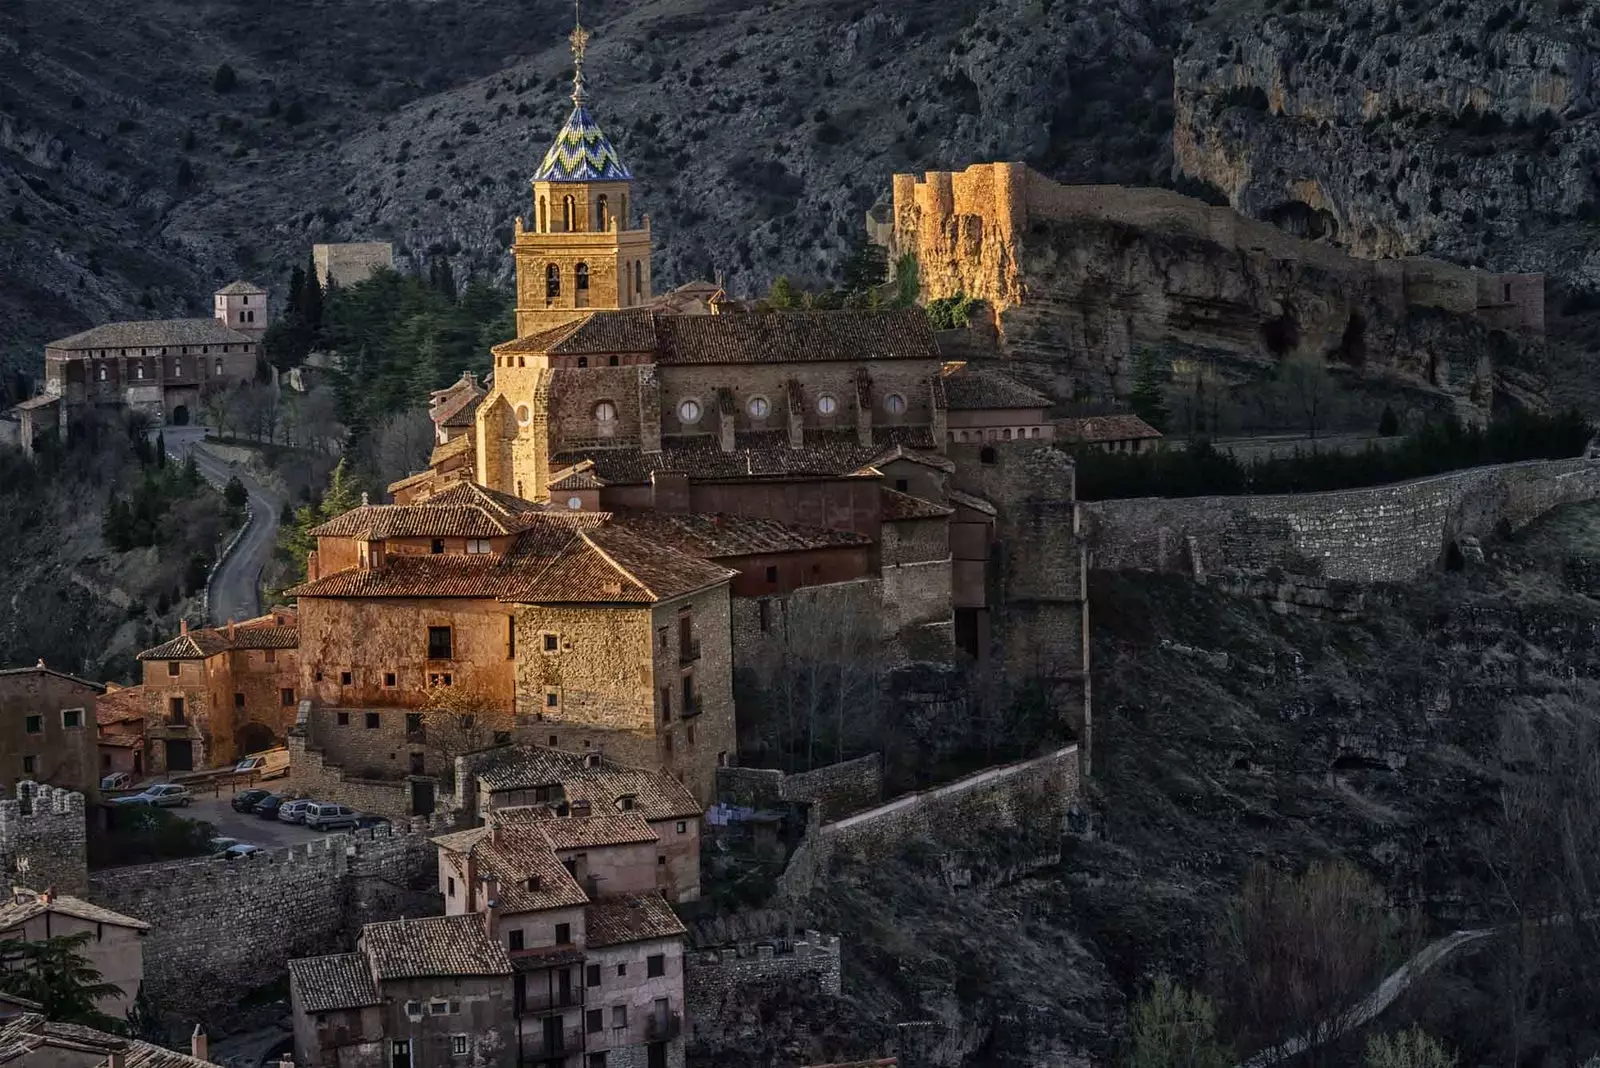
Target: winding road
<point x="236" y="586"/>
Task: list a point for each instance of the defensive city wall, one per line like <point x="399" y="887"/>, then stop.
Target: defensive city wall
<point x="1388" y="533"/>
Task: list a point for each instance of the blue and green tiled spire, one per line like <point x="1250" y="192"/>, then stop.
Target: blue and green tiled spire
<point x="581" y="152"/>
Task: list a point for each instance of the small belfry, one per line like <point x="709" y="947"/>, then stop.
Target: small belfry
<point x="581" y="250"/>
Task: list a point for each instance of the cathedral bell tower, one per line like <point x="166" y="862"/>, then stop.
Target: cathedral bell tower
<point x="580" y="251"/>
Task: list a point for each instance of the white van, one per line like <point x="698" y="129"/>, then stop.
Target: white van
<point x="267" y="764"/>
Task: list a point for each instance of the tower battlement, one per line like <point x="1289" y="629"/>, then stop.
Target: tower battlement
<point x="44" y="838"/>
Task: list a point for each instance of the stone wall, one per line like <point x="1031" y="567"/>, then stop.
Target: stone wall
<point x="223" y="928"/>
<point x="837" y="789"/>
<point x="1380" y="534"/>
<point x="44" y="839"/>
<point x="1011" y="795"/>
<point x="718" y="982"/>
<point x="318" y="777"/>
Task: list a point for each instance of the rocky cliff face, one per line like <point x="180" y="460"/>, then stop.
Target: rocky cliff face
<point x="1465" y="131"/>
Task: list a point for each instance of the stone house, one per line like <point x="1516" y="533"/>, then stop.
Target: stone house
<point x="47" y="729"/>
<point x="350" y="263"/>
<point x="242" y="306"/>
<point x="119" y="718"/>
<point x="31" y="1040"/>
<point x="598" y="953"/>
<point x="1124" y="433"/>
<point x="115" y="945"/>
<point x="433" y="992"/>
<point x="215" y="694"/>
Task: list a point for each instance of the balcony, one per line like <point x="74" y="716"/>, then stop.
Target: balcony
<point x="537" y="1002"/>
<point x="688" y="651"/>
<point x="539" y="1044"/>
<point x="691" y="708"/>
<point x="663" y="1028"/>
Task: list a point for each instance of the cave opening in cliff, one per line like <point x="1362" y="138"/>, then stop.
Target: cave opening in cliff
<point x="1281" y="334"/>
<point x="1302" y="220"/>
<point x="1353" y="345"/>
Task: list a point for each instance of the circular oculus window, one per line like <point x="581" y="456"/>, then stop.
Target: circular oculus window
<point x="827" y="404"/>
<point x="689" y="411"/>
<point x="575" y="503"/>
<point x="524" y="414"/>
<point x="894" y="404"/>
<point x="759" y="407"/>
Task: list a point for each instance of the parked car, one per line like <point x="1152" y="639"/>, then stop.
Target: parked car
<point x="221" y="842"/>
<point x="117" y="780"/>
<point x="325" y="816"/>
<point x="267" y="764"/>
<point x="239" y="849"/>
<point x="247" y="800"/>
<point x="161" y="795"/>
<point x="267" y="807"/>
<point x="294" y="811"/>
<point x="368" y="820"/>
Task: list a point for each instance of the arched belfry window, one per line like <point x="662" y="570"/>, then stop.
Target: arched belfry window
<point x="544" y="216"/>
<point x="580" y="276"/>
<point x="552" y="282"/>
<point x="568" y="211"/>
<point x="638" y="279"/>
<point x="602" y="210"/>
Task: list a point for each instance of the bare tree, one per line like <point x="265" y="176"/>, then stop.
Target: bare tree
<point x="1308" y="390"/>
<point x="318" y="418"/>
<point x="458" y="720"/>
<point x="402" y="445"/>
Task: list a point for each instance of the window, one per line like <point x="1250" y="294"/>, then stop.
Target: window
<point x="595" y="1022"/>
<point x="689" y="412"/>
<point x="625" y="803"/>
<point x="689" y="734"/>
<point x="575" y="503"/>
<point x="544" y="216"/>
<point x="372" y="721"/>
<point x="388" y="678"/>
<point x="238" y="700"/>
<point x="619" y="1016"/>
<point x="437" y="546"/>
<point x="175" y="709"/>
<point x="511" y="637"/>
<point x="563" y="934"/>
<point x="514" y="939"/>
<point x="439" y="679"/>
<point x="605" y="413"/>
<point x="552" y="282"/>
<point x="344" y="719"/>
<point x="271" y="656"/>
<point x="894" y="404"/>
<point x="438" y="643"/>
<point x="638" y="274"/>
<point x="902" y="485"/>
<point x="987" y="455"/>
<point x="413" y="722"/>
<point x="29" y="763"/>
<point x="138" y="371"/>
<point x="722" y="759"/>
<point x="552" y="699"/>
<point x="655" y="965"/>
<point x="450" y="886"/>
<point x="438" y="1008"/>
<point x="683" y="826"/>
<point x="102" y="372"/>
<point x="72" y="717"/>
<point x="219" y="362"/>
<point x="596" y="1060"/>
<point x="603" y="212"/>
<point x="172" y="668"/>
<point x="344" y="678"/>
<point x="458" y="1045"/>
<point x="591" y="975"/>
<point x="524" y="415"/>
<point x="772" y="575"/>
<point x="286" y="695"/>
<point x="35" y="724"/>
<point x="177" y="368"/>
<point x="622" y="970"/>
<point x="552" y="642"/>
<point x="580" y="278"/>
<point x="666" y="742"/>
<point x="478" y="546"/>
<point x="759" y="407"/>
<point x="583" y="361"/>
<point x="827" y="404"/>
<point x="666" y="704"/>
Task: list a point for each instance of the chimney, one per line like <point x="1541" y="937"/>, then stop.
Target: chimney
<point x="470" y="378"/>
<point x="40" y="663"/>
<point x="198" y="1045"/>
<point x="119" y="1058"/>
<point x="230" y="630"/>
<point x="491" y="906"/>
<point x="363" y="498"/>
<point x="183" y="626"/>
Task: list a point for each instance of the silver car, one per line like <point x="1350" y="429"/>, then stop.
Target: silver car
<point x="325" y="816"/>
<point x="294" y="811"/>
<point x="161" y="795"/>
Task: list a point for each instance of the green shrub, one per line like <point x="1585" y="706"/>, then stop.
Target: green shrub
<point x="1175" y="1028"/>
<point x="1408" y="1049"/>
<point x="952" y="313"/>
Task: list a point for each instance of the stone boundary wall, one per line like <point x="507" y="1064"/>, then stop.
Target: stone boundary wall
<point x="1004" y="795"/>
<point x="223" y="928"/>
<point x="1391" y="533"/>
<point x="717" y="981"/>
<point x="838" y="789"/>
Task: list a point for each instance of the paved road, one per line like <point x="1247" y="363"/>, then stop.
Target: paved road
<point x="236" y="587"/>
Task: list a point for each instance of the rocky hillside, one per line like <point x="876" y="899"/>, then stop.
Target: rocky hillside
<point x="133" y="177"/>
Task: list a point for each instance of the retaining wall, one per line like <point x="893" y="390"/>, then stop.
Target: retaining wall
<point x="1388" y="533"/>
<point x="717" y="982"/>
<point x="838" y="789"/>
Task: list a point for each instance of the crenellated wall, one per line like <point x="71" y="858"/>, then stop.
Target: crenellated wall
<point x="44" y="839"/>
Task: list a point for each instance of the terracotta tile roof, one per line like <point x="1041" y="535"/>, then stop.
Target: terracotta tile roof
<point x="531" y="877"/>
<point x="77" y="1040"/>
<point x="15" y="912"/>
<point x="630" y="331"/>
<point x="418" y="479"/>
<point x="456" y="446"/>
<point x="578" y="476"/>
<point x="20" y="1035"/>
<point x="464" y="510"/>
<point x="122" y="705"/>
<point x="757" y="455"/>
<point x="798" y="337"/>
<point x="973" y="388"/>
<point x="977" y="504"/>
<point x="240" y="288"/>
<point x="153" y="334"/>
<point x="147" y="1055"/>
<point x="662" y="572"/>
<point x="656" y="795"/>
<point x="263" y="632"/>
<point x="1094" y="429"/>
<point x="897" y="507"/>
<point x="121" y="741"/>
<point x="433" y="946"/>
<point x="614" y="921"/>
<point x="337" y="981"/>
<point x="453" y="407"/>
<point x="40" y="669"/>
<point x="926" y="459"/>
<point x="592" y="832"/>
<point x="713" y="536"/>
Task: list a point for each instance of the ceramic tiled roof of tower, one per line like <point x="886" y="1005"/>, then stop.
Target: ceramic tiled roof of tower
<point x="155" y="333"/>
<point x="530" y="875"/>
<point x="337" y="981"/>
<point x="973" y="389"/>
<point x="433" y="946"/>
<point x="657" y="795"/>
<point x="710" y="536"/>
<point x="900" y="507"/>
<point x="240" y="288"/>
<point x="615" y="921"/>
<point x="262" y="632"/>
<point x="581" y="152"/>
<point x="465" y="510"/>
<point x="756" y="455"/>
<point x="1100" y="428"/>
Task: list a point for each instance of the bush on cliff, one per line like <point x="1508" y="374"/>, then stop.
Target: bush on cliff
<point x="1202" y="471"/>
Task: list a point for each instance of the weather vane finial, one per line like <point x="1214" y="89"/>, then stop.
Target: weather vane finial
<point x="580" y="44"/>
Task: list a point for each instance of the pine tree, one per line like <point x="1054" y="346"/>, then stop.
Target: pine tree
<point x="1147" y="398"/>
<point x="783" y="295"/>
<point x="343" y="494"/>
<point x="311" y="299"/>
<point x="55" y="973"/>
<point x="161" y="448"/>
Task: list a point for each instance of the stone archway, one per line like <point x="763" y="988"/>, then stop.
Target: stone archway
<point x="180" y="415"/>
<point x="254" y="737"/>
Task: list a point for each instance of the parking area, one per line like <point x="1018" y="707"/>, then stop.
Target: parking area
<point x="248" y="827"/>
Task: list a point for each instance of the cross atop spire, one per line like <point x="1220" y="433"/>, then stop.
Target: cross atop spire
<point x="580" y="44"/>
